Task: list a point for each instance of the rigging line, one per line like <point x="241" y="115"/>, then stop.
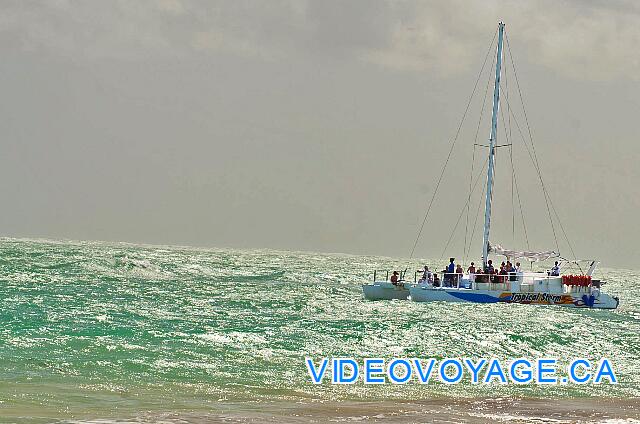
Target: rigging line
<point x="565" y="236"/>
<point x="463" y="208"/>
<point x="534" y="157"/>
<point x="464" y="115"/>
<point x="508" y="136"/>
<point x="475" y="143"/>
<point x="466" y="225"/>
<point x="484" y="103"/>
<point x="524" y="225"/>
<point x="537" y="168"/>
<point x="510" y="144"/>
<point x="475" y="222"/>
<point x="513" y="207"/>
<point x="534" y="151"/>
<point x="507" y="94"/>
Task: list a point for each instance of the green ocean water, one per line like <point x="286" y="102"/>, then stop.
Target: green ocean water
<point x="97" y="329"/>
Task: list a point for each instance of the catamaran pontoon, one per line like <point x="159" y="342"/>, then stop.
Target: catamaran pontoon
<point x="578" y="291"/>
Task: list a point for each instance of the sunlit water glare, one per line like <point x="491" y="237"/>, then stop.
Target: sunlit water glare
<point x="88" y="326"/>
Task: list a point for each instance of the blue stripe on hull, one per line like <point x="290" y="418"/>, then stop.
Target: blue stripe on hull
<point x="477" y="297"/>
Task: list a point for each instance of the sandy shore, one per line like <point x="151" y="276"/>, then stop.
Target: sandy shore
<point x="465" y="411"/>
<point x="447" y="411"/>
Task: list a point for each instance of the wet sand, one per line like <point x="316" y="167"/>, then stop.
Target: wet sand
<point x="445" y="411"/>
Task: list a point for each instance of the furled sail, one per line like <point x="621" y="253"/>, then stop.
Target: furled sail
<point x="517" y="254"/>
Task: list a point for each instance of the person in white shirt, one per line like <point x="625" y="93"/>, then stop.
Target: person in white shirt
<point x="555" y="270"/>
<point x="518" y="271"/>
<point x="427" y="276"/>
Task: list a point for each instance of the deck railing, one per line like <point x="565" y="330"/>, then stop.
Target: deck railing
<point x="493" y="281"/>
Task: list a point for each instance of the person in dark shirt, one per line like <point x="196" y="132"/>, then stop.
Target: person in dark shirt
<point x="394" y="278"/>
<point x="503" y="273"/>
<point x="489" y="270"/>
<point x="449" y="271"/>
<point x="451" y="267"/>
<point x="511" y="271"/>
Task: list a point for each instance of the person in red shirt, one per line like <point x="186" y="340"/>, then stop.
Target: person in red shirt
<point x="394" y="278"/>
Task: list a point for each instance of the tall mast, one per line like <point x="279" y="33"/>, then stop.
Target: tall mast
<point x="492" y="146"/>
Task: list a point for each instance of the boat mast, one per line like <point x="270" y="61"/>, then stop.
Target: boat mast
<point x="492" y="146"/>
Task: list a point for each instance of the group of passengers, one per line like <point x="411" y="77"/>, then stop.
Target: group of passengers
<point x="453" y="273"/>
<point x="508" y="272"/>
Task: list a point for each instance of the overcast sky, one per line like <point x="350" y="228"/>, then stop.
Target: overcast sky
<point x="315" y="125"/>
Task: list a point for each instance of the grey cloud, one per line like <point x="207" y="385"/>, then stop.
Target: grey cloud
<point x="591" y="39"/>
<point x="317" y="125"/>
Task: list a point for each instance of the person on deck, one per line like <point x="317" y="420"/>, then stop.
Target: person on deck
<point x="472" y="272"/>
<point x="394" y="278"/>
<point x="489" y="269"/>
<point x="518" y="272"/>
<point x="427" y="275"/>
<point x="472" y="268"/>
<point x="503" y="273"/>
<point x="555" y="270"/>
<point x="450" y="270"/>
<point x="451" y="267"/>
<point x="457" y="276"/>
<point x="511" y="271"/>
<point x="459" y="273"/>
<point x="421" y="280"/>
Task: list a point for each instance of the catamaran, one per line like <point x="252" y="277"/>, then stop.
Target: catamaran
<point x="578" y="290"/>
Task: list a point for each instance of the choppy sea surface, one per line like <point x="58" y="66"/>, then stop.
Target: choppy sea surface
<point x="114" y="331"/>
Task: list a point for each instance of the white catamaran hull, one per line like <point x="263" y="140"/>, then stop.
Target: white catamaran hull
<point x="383" y="290"/>
<point x="572" y="300"/>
